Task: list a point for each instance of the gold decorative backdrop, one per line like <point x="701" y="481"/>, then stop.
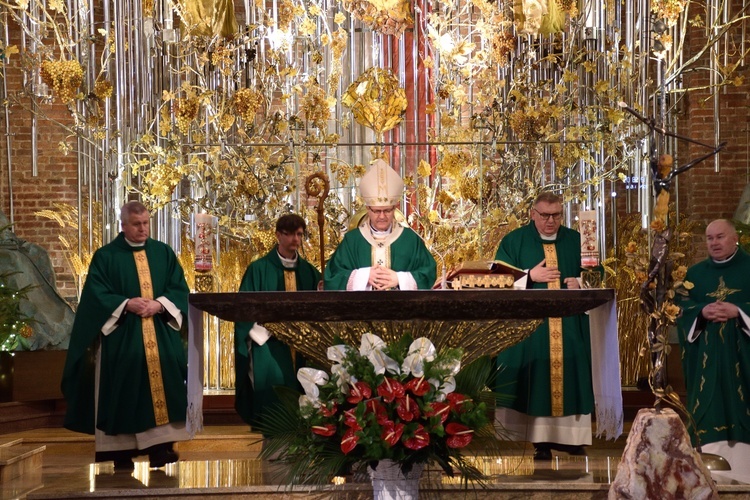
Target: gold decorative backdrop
<point x="226" y="107"/>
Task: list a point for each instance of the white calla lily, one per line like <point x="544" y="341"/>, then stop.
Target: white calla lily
<point x="372" y="347"/>
<point x="382" y="362"/>
<point x="370" y="343"/>
<point x="310" y="379"/>
<point x="443" y="387"/>
<point x="439" y="396"/>
<point x="454" y="366"/>
<point x="337" y="353"/>
<point x="307" y="404"/>
<point x="424" y="347"/>
<point x="449" y="385"/>
<point x="413" y="364"/>
<point x="343" y="379"/>
<point x="420" y="350"/>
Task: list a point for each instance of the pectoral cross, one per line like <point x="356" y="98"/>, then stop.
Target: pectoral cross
<point x="722" y="292"/>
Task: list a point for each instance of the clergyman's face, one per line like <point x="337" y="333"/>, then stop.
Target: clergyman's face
<point x="289" y="242"/>
<point x="381" y="217"/>
<point x="721" y="240"/>
<point x="136" y="227"/>
<point x="547" y="217"/>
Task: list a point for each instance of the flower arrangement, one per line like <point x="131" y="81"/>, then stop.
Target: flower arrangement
<point x="403" y="402"/>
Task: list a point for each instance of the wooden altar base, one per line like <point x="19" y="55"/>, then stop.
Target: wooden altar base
<point x="222" y="462"/>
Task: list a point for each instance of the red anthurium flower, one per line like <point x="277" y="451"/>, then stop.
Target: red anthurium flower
<point x="349" y="441"/>
<point x="381" y="413"/>
<point x="457" y="401"/>
<point x="358" y="392"/>
<point x="417" y="386"/>
<point x="350" y="420"/>
<point x="407" y="409"/>
<point x="324" y="430"/>
<point x="460" y="435"/>
<point x="438" y="408"/>
<point x="390" y="389"/>
<point x="420" y="439"/>
<point x="392" y="432"/>
<point x="329" y="412"/>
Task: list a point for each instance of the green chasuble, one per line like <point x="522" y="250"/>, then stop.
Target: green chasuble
<point x="717" y="362"/>
<point x="272" y="362"/>
<point x="524" y="376"/>
<point x="125" y="404"/>
<point x="407" y="253"/>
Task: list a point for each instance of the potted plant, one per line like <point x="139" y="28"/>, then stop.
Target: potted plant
<point x="395" y="407"/>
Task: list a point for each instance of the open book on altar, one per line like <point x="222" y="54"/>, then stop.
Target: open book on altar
<point x="484" y="274"/>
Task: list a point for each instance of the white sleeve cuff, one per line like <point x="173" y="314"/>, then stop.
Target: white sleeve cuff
<point x="111" y="323"/>
<point x="406" y="281"/>
<point x="744" y="321"/>
<point x="259" y="334"/>
<point x="358" y="279"/>
<point x="176" y="315"/>
<point x="523" y="282"/>
<point x="694" y="332"/>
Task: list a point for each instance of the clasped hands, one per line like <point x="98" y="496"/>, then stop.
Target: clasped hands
<point x="543" y="274"/>
<point x="145" y="308"/>
<point x="382" y="278"/>
<point x="720" y="311"/>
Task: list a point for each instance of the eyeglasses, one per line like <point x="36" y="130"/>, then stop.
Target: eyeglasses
<point x="555" y="217"/>
<point x="298" y="234"/>
<point x="385" y="211"/>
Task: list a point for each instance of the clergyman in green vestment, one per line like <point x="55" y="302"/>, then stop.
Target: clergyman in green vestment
<point x="546" y="378"/>
<point x="380" y="254"/>
<point x="126" y="367"/>
<point x="714" y="334"/>
<point x="263" y="361"/>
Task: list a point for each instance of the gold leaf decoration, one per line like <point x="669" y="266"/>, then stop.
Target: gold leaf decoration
<point x="63" y="76"/>
<point x="389" y="17"/>
<point x="376" y="100"/>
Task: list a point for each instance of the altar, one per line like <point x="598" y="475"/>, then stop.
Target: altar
<point x="482" y="322"/>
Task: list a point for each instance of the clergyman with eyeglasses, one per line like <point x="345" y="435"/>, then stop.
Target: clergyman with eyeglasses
<point x="263" y="361"/>
<point x="380" y="254"/>
<point x="545" y="381"/>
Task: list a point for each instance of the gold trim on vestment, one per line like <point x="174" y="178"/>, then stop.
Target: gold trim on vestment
<point x="290" y="280"/>
<point x="381" y="255"/>
<point x="380" y="252"/>
<point x="290" y="285"/>
<point x="555" y="342"/>
<point x="153" y="363"/>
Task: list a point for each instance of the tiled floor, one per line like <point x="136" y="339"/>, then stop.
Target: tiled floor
<point x="222" y="462"/>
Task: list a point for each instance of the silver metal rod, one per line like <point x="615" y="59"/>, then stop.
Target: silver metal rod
<point x="8" y="135"/>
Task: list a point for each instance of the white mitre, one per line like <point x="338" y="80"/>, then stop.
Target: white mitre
<point x="381" y="186"/>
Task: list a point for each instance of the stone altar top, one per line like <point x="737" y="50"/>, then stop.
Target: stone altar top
<point x="440" y="305"/>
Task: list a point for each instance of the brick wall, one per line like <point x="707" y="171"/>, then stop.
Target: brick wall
<point x="56" y="179"/>
<point x="705" y="193"/>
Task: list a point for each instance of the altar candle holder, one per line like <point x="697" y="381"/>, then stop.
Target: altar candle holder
<point x="204" y="243"/>
<point x="591" y="277"/>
